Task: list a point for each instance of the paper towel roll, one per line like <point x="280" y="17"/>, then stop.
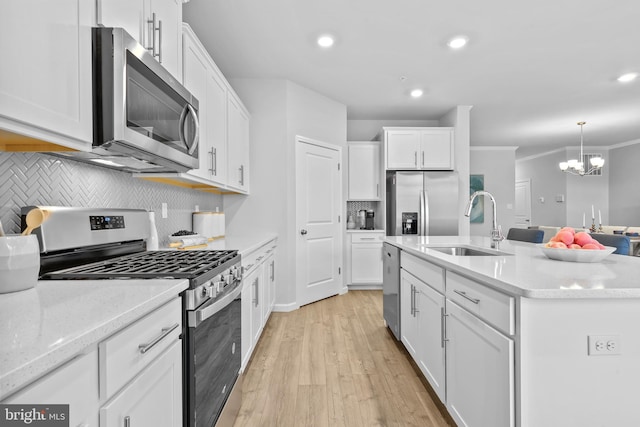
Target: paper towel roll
<point x="209" y="224"/>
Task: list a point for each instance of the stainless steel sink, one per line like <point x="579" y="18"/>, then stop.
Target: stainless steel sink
<point x="464" y="251"/>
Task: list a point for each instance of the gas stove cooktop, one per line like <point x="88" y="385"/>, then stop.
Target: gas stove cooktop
<point x="153" y="265"/>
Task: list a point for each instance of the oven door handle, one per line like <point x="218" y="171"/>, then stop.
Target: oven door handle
<point x="200" y="315"/>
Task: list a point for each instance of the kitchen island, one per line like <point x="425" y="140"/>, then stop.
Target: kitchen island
<point x="517" y="339"/>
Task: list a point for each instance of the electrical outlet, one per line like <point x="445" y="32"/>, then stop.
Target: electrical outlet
<point x="197" y="208"/>
<point x="164" y="211"/>
<point x="604" y="345"/>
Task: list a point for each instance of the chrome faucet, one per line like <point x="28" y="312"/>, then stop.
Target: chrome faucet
<point x="496" y="231"/>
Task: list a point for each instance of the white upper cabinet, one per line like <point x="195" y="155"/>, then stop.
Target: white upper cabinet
<point x="364" y="171"/>
<point x="156" y="24"/>
<point x="238" y="144"/>
<point x="207" y="85"/>
<point x="45" y="77"/>
<point x="419" y="148"/>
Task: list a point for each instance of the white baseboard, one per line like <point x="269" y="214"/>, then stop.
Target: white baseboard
<point x="285" y="308"/>
<point x="365" y="286"/>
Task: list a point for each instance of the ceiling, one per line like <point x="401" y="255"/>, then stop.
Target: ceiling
<point x="531" y="70"/>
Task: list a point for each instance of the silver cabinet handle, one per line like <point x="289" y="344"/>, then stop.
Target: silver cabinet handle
<point x="241" y="169"/>
<point x="465" y="296"/>
<point x="423" y="159"/>
<point x="127" y="421"/>
<point x="212" y="164"/>
<point x="411" y="300"/>
<point x="415" y="158"/>
<point x="273" y="270"/>
<point x="303" y="231"/>
<point x="165" y="331"/>
<point x="415" y="301"/>
<point x="377" y="190"/>
<point x="260" y="257"/>
<point x="152" y="33"/>
<point x="160" y="41"/>
<point x="367" y="238"/>
<point x="255" y="284"/>
<point x="214" y="161"/>
<point x="443" y="328"/>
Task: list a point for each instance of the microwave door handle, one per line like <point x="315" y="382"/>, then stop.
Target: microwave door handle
<point x="183" y="117"/>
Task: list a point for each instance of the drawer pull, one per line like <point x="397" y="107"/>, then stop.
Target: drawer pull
<point x="465" y="296"/>
<point x="127" y="421"/>
<point x="165" y="331"/>
<point x="367" y="238"/>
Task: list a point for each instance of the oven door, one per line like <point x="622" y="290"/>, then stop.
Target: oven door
<point x="141" y="110"/>
<point x="213" y="358"/>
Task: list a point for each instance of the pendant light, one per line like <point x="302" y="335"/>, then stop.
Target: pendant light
<point x="576" y="167"/>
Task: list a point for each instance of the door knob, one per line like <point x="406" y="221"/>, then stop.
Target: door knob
<point x="303" y="231"/>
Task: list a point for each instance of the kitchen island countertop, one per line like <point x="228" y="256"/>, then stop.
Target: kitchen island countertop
<point x="43" y="327"/>
<point x="525" y="271"/>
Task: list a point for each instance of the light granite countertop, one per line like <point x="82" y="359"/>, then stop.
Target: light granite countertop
<point x="43" y="327"/>
<point x="525" y="271"/>
<point x="244" y="244"/>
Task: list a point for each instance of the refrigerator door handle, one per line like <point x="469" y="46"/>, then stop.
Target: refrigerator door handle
<point x="421" y="215"/>
<point x="424" y="213"/>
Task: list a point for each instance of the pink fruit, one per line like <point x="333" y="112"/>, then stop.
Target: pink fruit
<point x="583" y="238"/>
<point x="572" y="230"/>
<point x="558" y="245"/>
<point x="554" y="239"/>
<point x="565" y="237"/>
<point x="575" y="246"/>
<point x="600" y="245"/>
<point x="590" y="246"/>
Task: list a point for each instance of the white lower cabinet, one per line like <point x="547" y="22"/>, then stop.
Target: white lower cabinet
<point x="258" y="295"/>
<point x="366" y="257"/>
<point x="74" y="384"/>
<point x="480" y="371"/>
<point x="459" y="334"/>
<point x="154" y="398"/>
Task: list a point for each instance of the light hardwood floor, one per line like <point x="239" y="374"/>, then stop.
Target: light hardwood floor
<point x="334" y="363"/>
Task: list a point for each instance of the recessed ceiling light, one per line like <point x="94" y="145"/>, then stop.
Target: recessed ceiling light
<point x="457" y="42"/>
<point x="325" y="41"/>
<point x="416" y="93"/>
<point x="627" y="77"/>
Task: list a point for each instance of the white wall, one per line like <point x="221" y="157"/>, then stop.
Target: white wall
<point x="280" y="110"/>
<point x="497" y="164"/>
<point x="624" y="194"/>
<point x="370" y="130"/>
<point x="459" y="119"/>
<point x="580" y="193"/>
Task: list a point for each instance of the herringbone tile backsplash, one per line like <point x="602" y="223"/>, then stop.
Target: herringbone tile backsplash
<point x="38" y="179"/>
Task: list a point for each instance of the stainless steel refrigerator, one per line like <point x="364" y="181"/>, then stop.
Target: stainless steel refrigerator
<point x="422" y="203"/>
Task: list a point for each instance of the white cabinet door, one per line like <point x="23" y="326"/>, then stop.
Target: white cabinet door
<point x="402" y="148"/>
<point x="247" y="336"/>
<point x="195" y="74"/>
<point x="154" y="398"/>
<point x="436" y="149"/>
<point x="364" y="171"/>
<point x="431" y="350"/>
<point x="45" y="77"/>
<point x="217" y="127"/>
<point x="254" y="282"/>
<point x="162" y="36"/>
<point x="74" y="384"/>
<point x="408" y="320"/>
<point x="168" y="33"/>
<point x="480" y="371"/>
<point x="237" y="144"/>
<point x="366" y="263"/>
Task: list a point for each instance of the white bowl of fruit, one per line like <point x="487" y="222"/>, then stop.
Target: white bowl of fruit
<point x="567" y="245"/>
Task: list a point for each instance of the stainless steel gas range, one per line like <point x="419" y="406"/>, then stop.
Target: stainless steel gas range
<point x="102" y="244"/>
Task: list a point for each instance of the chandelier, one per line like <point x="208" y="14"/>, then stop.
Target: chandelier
<point x="576" y="167"/>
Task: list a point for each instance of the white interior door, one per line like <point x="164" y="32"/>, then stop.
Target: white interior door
<point x="318" y="208"/>
<point x="523" y="203"/>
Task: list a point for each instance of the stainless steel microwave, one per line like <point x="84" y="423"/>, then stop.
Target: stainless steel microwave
<point x="144" y="120"/>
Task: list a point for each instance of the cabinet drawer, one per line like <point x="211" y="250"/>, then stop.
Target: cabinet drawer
<point x="429" y="273"/>
<point x="494" y="307"/>
<point x="127" y="352"/>
<point x="366" y="237"/>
